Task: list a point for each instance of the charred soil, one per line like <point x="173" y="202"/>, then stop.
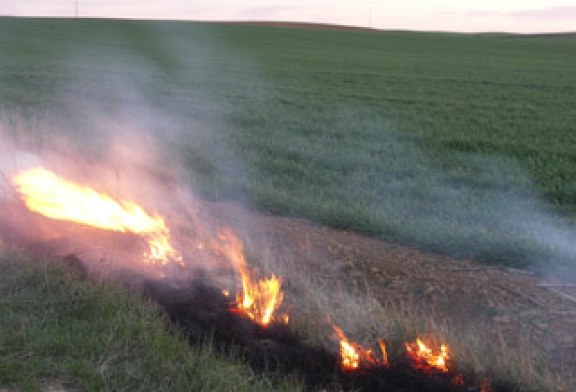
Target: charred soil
<point x="203" y="312"/>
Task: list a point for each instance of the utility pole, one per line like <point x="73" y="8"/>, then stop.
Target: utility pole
<point x="76" y="8"/>
<point x="370" y="16"/>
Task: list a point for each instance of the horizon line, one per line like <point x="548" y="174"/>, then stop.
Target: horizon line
<point x="287" y="24"/>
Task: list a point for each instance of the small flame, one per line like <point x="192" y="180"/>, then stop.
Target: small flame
<point x="353" y="356"/>
<point x="54" y="197"/>
<point x="458" y="380"/>
<point x="425" y="359"/>
<point x="486" y="386"/>
<point x="349" y="357"/>
<point x="384" y="352"/>
<point x="259" y="299"/>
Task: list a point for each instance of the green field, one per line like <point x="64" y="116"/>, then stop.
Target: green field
<point x="461" y="144"/>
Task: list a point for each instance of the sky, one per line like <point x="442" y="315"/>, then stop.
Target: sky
<point x="521" y="16"/>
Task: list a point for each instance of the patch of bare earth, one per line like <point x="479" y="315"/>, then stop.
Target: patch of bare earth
<point x="510" y="306"/>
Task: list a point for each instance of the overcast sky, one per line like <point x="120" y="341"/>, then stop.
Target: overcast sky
<point x="447" y="15"/>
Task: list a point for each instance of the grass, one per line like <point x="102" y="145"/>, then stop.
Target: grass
<point x="460" y="144"/>
<point x="59" y="332"/>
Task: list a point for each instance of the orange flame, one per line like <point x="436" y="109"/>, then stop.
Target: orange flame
<point x="486" y="386"/>
<point x="353" y="356"/>
<point x="54" y="197"/>
<point x="384" y="352"/>
<point x="260" y="299"/>
<point x="425" y="359"/>
<point x="349" y="357"/>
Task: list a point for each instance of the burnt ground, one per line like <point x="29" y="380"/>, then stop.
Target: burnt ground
<point x="514" y="306"/>
<point x="202" y="312"/>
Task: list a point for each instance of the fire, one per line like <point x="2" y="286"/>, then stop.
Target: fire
<point x="57" y="198"/>
<point x="46" y="193"/>
<point x="259" y="299"/>
<point x="54" y="197"/>
<point x="384" y="352"/>
<point x="349" y="357"/>
<point x="486" y="386"/>
<point x="425" y="359"/>
<point x="353" y="356"/>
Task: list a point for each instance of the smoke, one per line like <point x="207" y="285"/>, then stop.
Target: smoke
<point x="102" y="126"/>
<point x="126" y="121"/>
<point x="143" y="119"/>
<point x="149" y="124"/>
<point x="469" y="205"/>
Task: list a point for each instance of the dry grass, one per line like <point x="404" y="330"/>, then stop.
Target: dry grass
<point x="320" y="295"/>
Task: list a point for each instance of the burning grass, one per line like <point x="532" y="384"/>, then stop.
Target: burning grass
<point x="304" y="348"/>
<point x="200" y="309"/>
<point x="62" y="330"/>
<point x="253" y="318"/>
<point x="204" y="311"/>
